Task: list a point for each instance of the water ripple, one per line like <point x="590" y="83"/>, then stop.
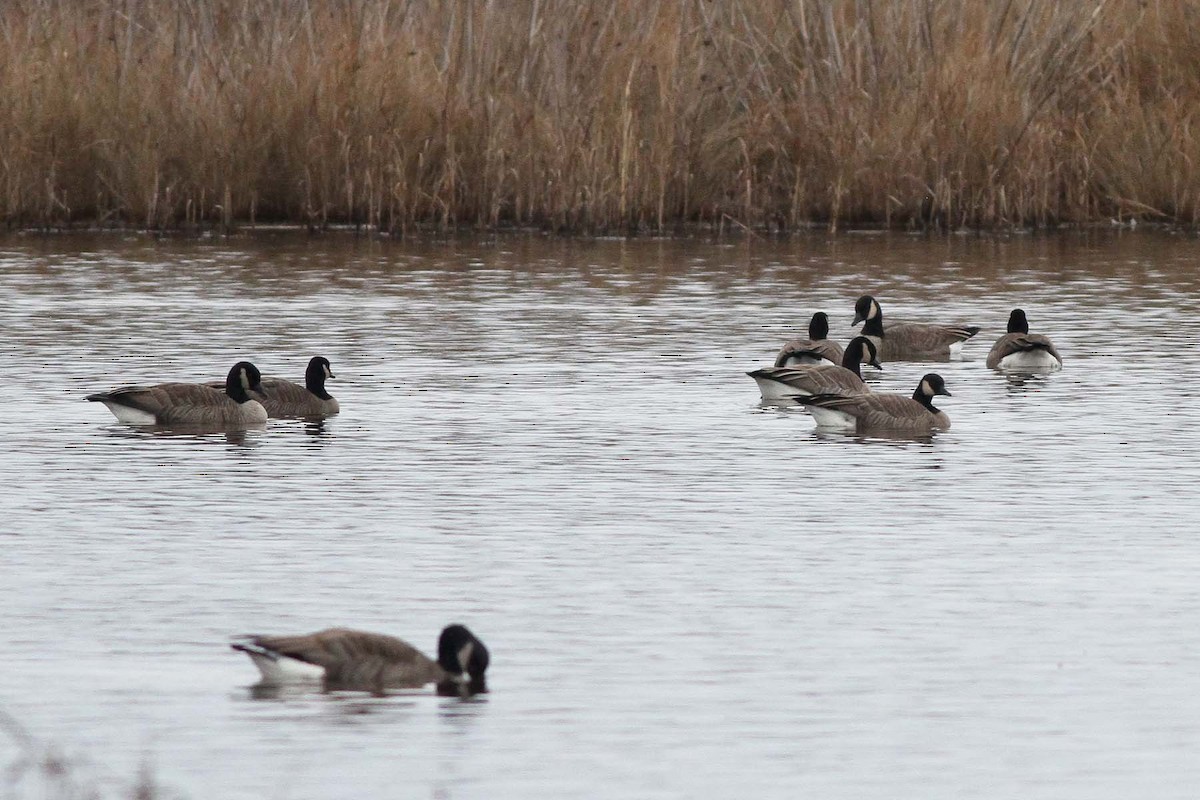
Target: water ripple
<point x="685" y="593"/>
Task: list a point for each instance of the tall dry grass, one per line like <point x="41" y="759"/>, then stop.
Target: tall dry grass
<point x="590" y="117"/>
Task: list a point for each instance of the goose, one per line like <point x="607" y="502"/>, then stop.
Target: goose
<point x="350" y="659"/>
<point x="190" y="403"/>
<point x="816" y="349"/>
<point x="873" y="411"/>
<point x="784" y="383"/>
<point x="1019" y="349"/>
<point x="910" y="341"/>
<point x="282" y="398"/>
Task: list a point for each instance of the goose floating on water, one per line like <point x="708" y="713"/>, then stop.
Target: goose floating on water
<point x="350" y="659"/>
<point x="784" y="383"/>
<point x="875" y="411"/>
<point x="282" y="398"/>
<point x="190" y="403"/>
<point x="1021" y="350"/>
<point x="909" y="341"/>
<point x="818" y="348"/>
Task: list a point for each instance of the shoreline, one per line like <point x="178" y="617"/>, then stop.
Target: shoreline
<point x="427" y="233"/>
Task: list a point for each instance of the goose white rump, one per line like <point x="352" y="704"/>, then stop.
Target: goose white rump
<point x="129" y="415"/>
<point x="774" y="391"/>
<point x="1037" y="360"/>
<point x="281" y="669"/>
<point x="833" y="419"/>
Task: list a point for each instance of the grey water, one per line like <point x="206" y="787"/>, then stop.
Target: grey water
<point x="685" y="593"/>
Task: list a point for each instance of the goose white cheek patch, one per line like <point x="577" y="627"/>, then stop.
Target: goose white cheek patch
<point x="464" y="655"/>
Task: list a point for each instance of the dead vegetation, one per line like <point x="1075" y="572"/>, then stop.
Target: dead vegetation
<point x="35" y="769"/>
<point x="598" y="117"/>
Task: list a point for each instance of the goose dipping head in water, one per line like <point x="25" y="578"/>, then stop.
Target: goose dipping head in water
<point x="349" y="659"/>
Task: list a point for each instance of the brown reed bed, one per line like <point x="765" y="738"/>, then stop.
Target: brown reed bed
<point x="627" y="115"/>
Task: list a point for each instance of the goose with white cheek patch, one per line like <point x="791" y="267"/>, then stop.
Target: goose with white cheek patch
<point x="784" y="383"/>
<point x="875" y="411"/>
<point x="1021" y="350"/>
<point x="910" y="341"/>
<point x="282" y="398"/>
<point x="348" y="659"/>
<point x="818" y="348"/>
<point x="190" y="404"/>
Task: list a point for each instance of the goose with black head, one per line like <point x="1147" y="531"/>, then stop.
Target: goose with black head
<point x="877" y="411"/>
<point x="818" y="348"/>
<point x="784" y="383"/>
<point x="349" y="659"/>
<point x="910" y="341"/>
<point x="190" y="404"/>
<point x="283" y="398"/>
<point x="1018" y="349"/>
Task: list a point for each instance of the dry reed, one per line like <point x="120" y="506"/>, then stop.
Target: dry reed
<point x="590" y="117"/>
<point x="34" y="769"/>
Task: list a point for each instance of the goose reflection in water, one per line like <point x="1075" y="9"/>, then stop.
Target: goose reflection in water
<point x="237" y="437"/>
<point x="1023" y="382"/>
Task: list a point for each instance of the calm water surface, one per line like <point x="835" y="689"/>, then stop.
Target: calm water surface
<point x="686" y="594"/>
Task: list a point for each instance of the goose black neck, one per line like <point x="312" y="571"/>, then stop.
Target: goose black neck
<point x="818" y="327"/>
<point x="314" y="381"/>
<point x="243" y="378"/>
<point x="873" y="326"/>
<point x="924" y="400"/>
<point x="1017" y="323"/>
<point x="234" y="388"/>
<point x="852" y="358"/>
